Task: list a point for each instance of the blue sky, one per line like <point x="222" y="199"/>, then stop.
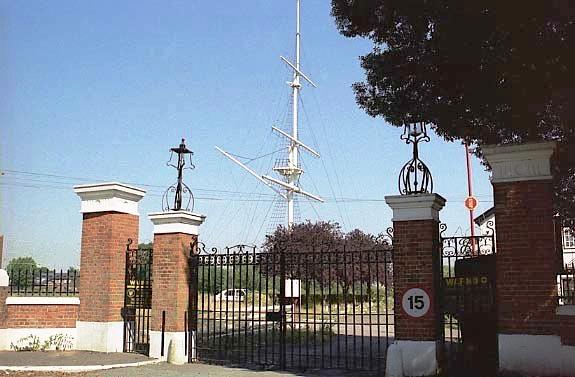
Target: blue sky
<point x="99" y="91"/>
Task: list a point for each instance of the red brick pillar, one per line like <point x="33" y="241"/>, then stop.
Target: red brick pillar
<point x="174" y="231"/>
<point x="415" y="277"/>
<point x="110" y="218"/>
<point x="526" y="260"/>
<point x="4" y="290"/>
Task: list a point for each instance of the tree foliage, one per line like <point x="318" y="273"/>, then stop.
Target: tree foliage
<point x="20" y="270"/>
<point x="483" y="71"/>
<point x="323" y="253"/>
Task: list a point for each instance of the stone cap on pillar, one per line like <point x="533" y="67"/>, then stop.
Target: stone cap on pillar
<point x="109" y="197"/>
<point x="415" y="207"/>
<point x="519" y="162"/>
<point x="176" y="222"/>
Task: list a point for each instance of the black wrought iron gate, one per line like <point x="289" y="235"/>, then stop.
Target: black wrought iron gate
<point x="467" y="299"/>
<point x="137" y="299"/>
<point x="292" y="308"/>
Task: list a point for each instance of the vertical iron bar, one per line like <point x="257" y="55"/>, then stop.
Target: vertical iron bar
<point x="282" y="310"/>
<point x="163" y="333"/>
<point x="192" y="311"/>
<point x="235" y="351"/>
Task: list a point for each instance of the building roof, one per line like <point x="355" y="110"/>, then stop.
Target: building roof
<point x="485" y="216"/>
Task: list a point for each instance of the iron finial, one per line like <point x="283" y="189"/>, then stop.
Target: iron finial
<point x="415" y="176"/>
<point x="179" y="189"/>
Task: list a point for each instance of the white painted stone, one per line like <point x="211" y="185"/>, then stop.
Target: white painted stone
<point x="415" y="207"/>
<point x="176" y="222"/>
<point x="394" y="362"/>
<point x="4" y="278"/>
<point x="565" y="310"/>
<point x="522" y="162"/>
<point x="109" y="197"/>
<point x="42" y="301"/>
<point x="419" y="357"/>
<point x="8" y="336"/>
<point x="538" y="355"/>
<point x="100" y="336"/>
<point x="178" y="341"/>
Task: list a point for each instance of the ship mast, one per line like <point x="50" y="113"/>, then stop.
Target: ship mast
<point x="291" y="172"/>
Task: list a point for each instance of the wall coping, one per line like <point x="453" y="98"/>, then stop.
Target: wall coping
<point x="176" y="222"/>
<point x="415" y="207"/>
<point x="519" y="162"/>
<point x="42" y="300"/>
<point x="109" y="196"/>
<point x="566" y="310"/>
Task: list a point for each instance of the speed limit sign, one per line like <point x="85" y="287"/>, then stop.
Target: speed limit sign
<point x="415" y="302"/>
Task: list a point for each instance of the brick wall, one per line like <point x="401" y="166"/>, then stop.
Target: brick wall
<point x="170" y="280"/>
<point x="102" y="262"/>
<point x="415" y="265"/>
<point x="41" y="316"/>
<point x="526" y="260"/>
<point x="4" y="292"/>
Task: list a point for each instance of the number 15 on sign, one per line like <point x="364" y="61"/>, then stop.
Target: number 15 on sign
<point x="415" y="302"/>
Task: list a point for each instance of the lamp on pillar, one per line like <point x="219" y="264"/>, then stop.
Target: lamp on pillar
<point x="415" y="176"/>
<point x="179" y="189"/>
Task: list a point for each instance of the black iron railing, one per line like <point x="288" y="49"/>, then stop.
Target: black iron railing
<point x="324" y="307"/>
<point x="566" y="285"/>
<point x="43" y="282"/>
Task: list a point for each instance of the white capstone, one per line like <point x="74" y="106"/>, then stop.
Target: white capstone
<point x="109" y="197"/>
<point x="176" y="222"/>
<point x="42" y="301"/>
<point x="177" y="340"/>
<point x="415" y="207"/>
<point x="100" y="336"/>
<point x="522" y="162"/>
<point x="4" y="278"/>
<point x="533" y="355"/>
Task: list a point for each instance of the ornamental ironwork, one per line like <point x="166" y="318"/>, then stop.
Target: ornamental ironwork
<point x="179" y="191"/>
<point x="415" y="176"/>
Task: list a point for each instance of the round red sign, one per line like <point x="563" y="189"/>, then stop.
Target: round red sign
<point x="470" y="203"/>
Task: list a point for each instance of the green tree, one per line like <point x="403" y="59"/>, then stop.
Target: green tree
<point x="482" y="71"/>
<point x="20" y="270"/>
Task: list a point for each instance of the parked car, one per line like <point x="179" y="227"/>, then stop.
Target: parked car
<point x="235" y="294"/>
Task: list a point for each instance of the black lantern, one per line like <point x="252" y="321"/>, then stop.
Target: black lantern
<point x="179" y="190"/>
<point x="415" y="177"/>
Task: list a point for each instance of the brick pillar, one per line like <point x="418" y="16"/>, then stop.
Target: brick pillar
<point x="110" y="218"/>
<point x="173" y="233"/>
<point x="526" y="261"/>
<point x="415" y="269"/>
<point x="4" y="290"/>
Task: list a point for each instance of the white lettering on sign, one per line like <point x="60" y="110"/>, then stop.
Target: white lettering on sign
<point x="415" y="302"/>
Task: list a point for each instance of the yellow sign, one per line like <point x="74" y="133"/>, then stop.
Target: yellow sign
<point x="465" y="281"/>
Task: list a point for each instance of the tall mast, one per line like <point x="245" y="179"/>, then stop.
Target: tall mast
<point x="290" y="172"/>
<point x="294" y="172"/>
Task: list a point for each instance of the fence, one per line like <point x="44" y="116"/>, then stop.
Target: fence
<point x="566" y="285"/>
<point x="43" y="282"/>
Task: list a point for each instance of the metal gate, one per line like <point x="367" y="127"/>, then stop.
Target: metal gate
<point x="137" y="299"/>
<point x="292" y="308"/>
<point x="467" y="298"/>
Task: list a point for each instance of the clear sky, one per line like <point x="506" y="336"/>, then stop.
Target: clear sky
<point x="99" y="91"/>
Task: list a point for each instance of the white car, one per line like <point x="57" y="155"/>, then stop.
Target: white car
<point x="232" y="295"/>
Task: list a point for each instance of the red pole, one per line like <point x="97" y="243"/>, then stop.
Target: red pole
<point x="470" y="194"/>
